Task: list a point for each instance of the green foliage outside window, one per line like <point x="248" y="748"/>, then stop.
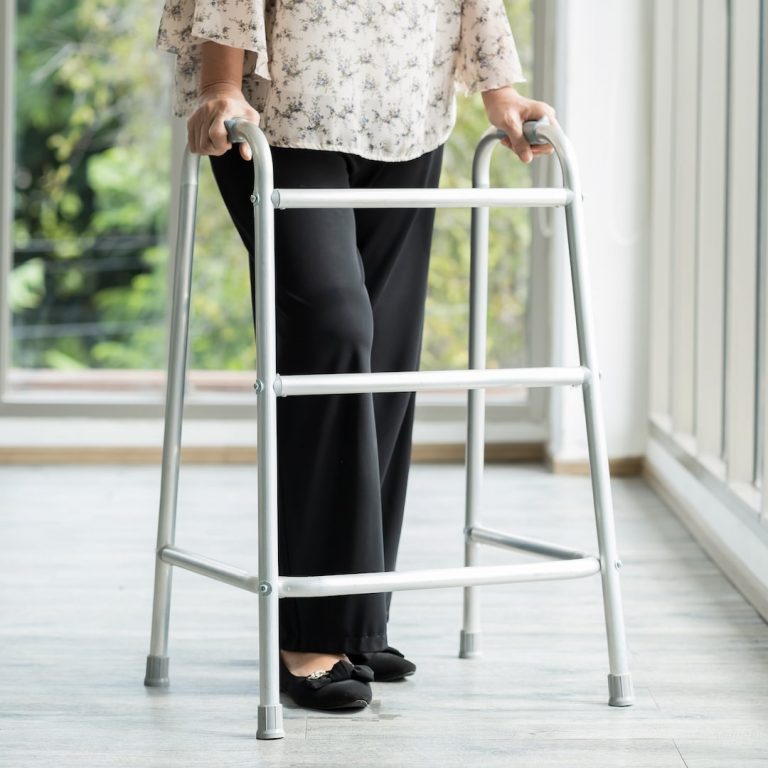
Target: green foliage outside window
<point x="89" y="286"/>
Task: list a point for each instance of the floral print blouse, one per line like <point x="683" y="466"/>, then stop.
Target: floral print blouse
<point x="376" y="78"/>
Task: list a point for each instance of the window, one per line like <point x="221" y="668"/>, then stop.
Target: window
<point x="84" y="264"/>
<point x="87" y="279"/>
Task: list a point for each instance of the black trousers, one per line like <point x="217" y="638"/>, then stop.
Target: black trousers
<point x="351" y="286"/>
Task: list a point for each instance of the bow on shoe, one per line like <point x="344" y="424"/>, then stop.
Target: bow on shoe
<point x="341" y="670"/>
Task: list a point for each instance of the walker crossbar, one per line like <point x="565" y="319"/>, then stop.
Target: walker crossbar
<point x="268" y="584"/>
<point x="361" y="583"/>
<point x="207" y="566"/>
<point x="384" y="581"/>
<point x="535" y="197"/>
<point x="483" y="535"/>
<point x="345" y="383"/>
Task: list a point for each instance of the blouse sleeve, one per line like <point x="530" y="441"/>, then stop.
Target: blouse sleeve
<point x="487" y="56"/>
<point x="186" y="24"/>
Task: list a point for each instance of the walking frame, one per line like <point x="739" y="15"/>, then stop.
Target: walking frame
<point x="562" y="562"/>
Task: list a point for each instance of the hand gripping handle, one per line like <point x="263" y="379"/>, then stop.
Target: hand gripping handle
<point x="530" y="131"/>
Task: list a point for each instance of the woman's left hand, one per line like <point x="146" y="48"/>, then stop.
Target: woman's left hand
<point x="508" y="110"/>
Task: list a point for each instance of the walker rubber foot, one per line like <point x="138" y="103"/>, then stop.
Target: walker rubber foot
<point x="620" y="690"/>
<point x="469" y="645"/>
<point x="157" y="672"/>
<point x="270" y="722"/>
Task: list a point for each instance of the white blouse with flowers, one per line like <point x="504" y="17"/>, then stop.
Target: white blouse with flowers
<point x="376" y="78"/>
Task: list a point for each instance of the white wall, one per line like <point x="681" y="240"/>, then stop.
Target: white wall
<point x="604" y="106"/>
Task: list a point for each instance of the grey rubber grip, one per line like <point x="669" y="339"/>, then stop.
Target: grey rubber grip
<point x="531" y="131"/>
<point x="230" y="125"/>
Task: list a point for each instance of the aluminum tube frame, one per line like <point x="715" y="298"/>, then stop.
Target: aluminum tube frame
<point x="469" y="637"/>
<point x="174" y="404"/>
<point x="482" y="535"/>
<point x="421" y="198"/>
<point x="270" y="715"/>
<point x="207" y="566"/>
<point x="620" y="684"/>
<point x="435" y="578"/>
<point x="415" y="381"/>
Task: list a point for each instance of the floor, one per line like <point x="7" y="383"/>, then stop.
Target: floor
<point x="76" y="563"/>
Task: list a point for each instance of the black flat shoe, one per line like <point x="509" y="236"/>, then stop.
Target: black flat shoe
<point x="343" y="686"/>
<point x="387" y="665"/>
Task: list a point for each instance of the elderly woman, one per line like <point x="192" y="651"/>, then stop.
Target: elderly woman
<point x="352" y="94"/>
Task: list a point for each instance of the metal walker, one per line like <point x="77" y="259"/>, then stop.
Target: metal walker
<point x="562" y="563"/>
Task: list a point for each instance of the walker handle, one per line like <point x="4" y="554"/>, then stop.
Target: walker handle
<point x="531" y="131"/>
<point x="231" y="126"/>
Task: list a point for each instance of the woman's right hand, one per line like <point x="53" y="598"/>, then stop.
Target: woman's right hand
<point x="218" y="102"/>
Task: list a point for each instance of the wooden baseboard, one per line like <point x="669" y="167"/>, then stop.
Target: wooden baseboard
<point x="495" y="453"/>
<point x="107" y="454"/>
<point x="423" y="453"/>
<point x="624" y="466"/>
<point x="443" y="453"/>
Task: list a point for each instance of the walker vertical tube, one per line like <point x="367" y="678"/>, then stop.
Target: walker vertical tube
<point x="619" y="678"/>
<point x="270" y="714"/>
<point x="469" y="641"/>
<point x="157" y="660"/>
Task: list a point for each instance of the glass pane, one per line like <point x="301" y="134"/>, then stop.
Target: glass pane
<point x="447" y="321"/>
<point x="88" y="285"/>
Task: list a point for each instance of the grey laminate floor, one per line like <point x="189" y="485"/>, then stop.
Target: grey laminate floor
<point x="75" y="593"/>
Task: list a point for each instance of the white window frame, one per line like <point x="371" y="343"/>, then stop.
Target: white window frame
<point x="684" y="184"/>
<point x="761" y="449"/>
<point x="7" y="111"/>
<point x="711" y="234"/>
<point x="661" y="209"/>
<point x="741" y="305"/>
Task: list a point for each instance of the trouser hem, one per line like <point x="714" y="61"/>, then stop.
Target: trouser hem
<point x="348" y="644"/>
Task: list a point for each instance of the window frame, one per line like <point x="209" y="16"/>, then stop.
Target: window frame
<point x="7" y="162"/>
<point x="712" y="230"/>
<point x="741" y="253"/>
<point x="761" y="449"/>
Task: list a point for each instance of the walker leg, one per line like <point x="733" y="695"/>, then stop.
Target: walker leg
<point x="619" y="679"/>
<point x="157" y="660"/>
<point x="270" y="713"/>
<point x="469" y="641"/>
